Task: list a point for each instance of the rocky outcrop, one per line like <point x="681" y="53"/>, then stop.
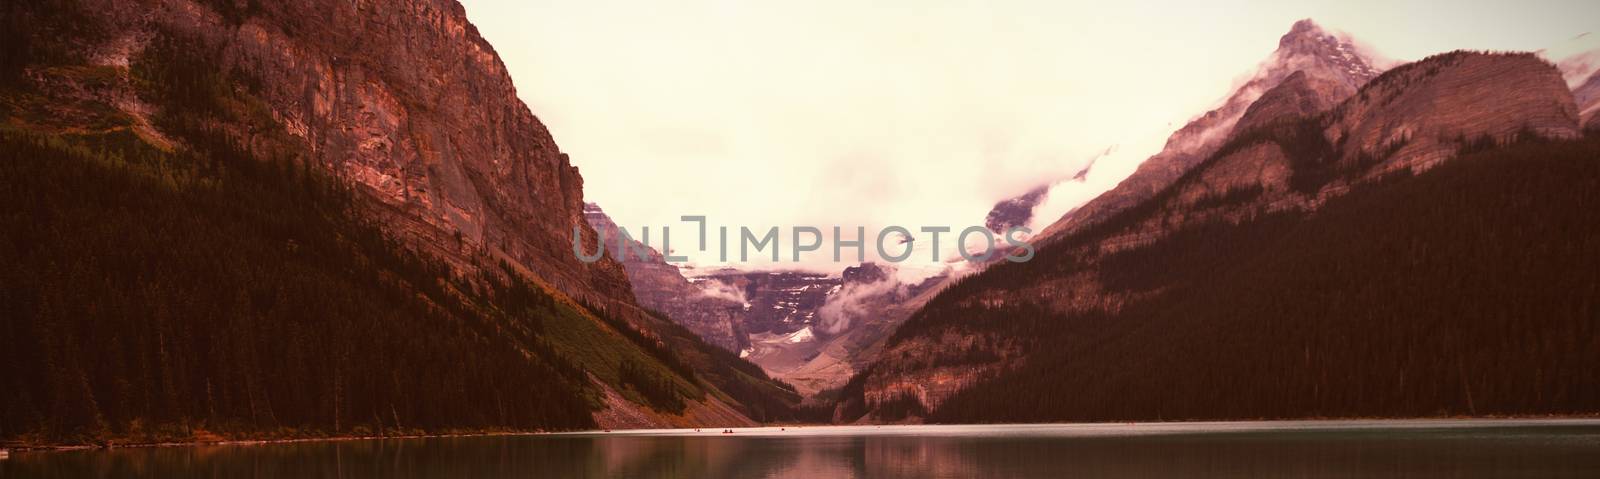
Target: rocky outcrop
<point x="1014" y="212"/>
<point x="1330" y="68"/>
<point x="1300" y="95"/>
<point x="401" y="102"/>
<point x="406" y="101"/>
<point x="1421" y="113"/>
<point x="865" y="273"/>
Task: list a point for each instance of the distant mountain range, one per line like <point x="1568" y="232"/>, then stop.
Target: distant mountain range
<point x="1318" y="119"/>
<point x="811" y="330"/>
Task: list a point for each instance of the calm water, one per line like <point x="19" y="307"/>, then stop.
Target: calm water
<point x="1565" y="448"/>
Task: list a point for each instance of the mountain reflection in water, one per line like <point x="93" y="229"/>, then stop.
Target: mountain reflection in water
<point x="1555" y="448"/>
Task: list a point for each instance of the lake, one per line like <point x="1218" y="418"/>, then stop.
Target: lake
<point x="1301" y="449"/>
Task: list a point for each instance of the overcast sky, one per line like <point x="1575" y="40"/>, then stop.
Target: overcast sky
<point x="919" y="112"/>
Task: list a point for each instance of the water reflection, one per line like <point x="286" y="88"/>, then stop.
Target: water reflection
<point x="1388" y="449"/>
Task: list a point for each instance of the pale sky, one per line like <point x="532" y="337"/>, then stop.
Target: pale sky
<point x="911" y="113"/>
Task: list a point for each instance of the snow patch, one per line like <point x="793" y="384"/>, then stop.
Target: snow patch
<point x="803" y="335"/>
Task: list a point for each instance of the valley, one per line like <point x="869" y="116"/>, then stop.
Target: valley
<point x="255" y="221"/>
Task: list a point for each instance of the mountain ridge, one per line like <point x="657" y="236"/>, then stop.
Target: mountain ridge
<point x="1306" y="49"/>
<point x="1408" y="120"/>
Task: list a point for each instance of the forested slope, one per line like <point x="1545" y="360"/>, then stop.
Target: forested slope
<point x="1470" y="289"/>
<point x="179" y="267"/>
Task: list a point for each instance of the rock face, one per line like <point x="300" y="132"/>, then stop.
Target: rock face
<point x="864" y="274"/>
<point x="1419" y="114"/>
<point x="1297" y="154"/>
<point x="811" y="330"/>
<point x="844" y="321"/>
<point x="1412" y="118"/>
<point x="403" y="103"/>
<point x="1015" y="211"/>
<point x="404" y="99"/>
<point x="660" y="286"/>
<point x="1329" y="68"/>
<point x="1298" y="96"/>
<point x="780" y="302"/>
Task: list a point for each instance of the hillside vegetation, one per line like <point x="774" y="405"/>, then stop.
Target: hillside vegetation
<point x="200" y="278"/>
<point x="1470" y="289"/>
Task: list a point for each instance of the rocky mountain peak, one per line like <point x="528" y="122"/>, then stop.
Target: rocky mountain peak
<point x="1307" y="45"/>
<point x="1306" y="36"/>
<point x="1330" y="68"/>
<point x="868" y="272"/>
<point x="1302" y="29"/>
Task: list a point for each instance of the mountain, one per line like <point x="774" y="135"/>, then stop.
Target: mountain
<point x="1288" y="272"/>
<point x="1579" y="61"/>
<point x="1450" y="293"/>
<point x="807" y="329"/>
<point x="309" y="218"/>
<point x="1015" y="211"/>
<point x="1325" y="70"/>
<point x="852" y="320"/>
<point x="1587" y="96"/>
<point x="660" y="286"/>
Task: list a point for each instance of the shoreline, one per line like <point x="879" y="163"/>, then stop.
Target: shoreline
<point x="713" y="429"/>
<point x="256" y="442"/>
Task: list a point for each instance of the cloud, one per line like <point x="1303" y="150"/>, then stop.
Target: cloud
<point x="1578" y="58"/>
<point x="848" y="113"/>
<point x="853" y="303"/>
<point x="721" y="290"/>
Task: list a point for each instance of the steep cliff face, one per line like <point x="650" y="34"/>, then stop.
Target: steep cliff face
<point x="1422" y="113"/>
<point x="404" y="99"/>
<point x="1330" y="68"/>
<point x="1293" y="160"/>
<point x="412" y="211"/>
